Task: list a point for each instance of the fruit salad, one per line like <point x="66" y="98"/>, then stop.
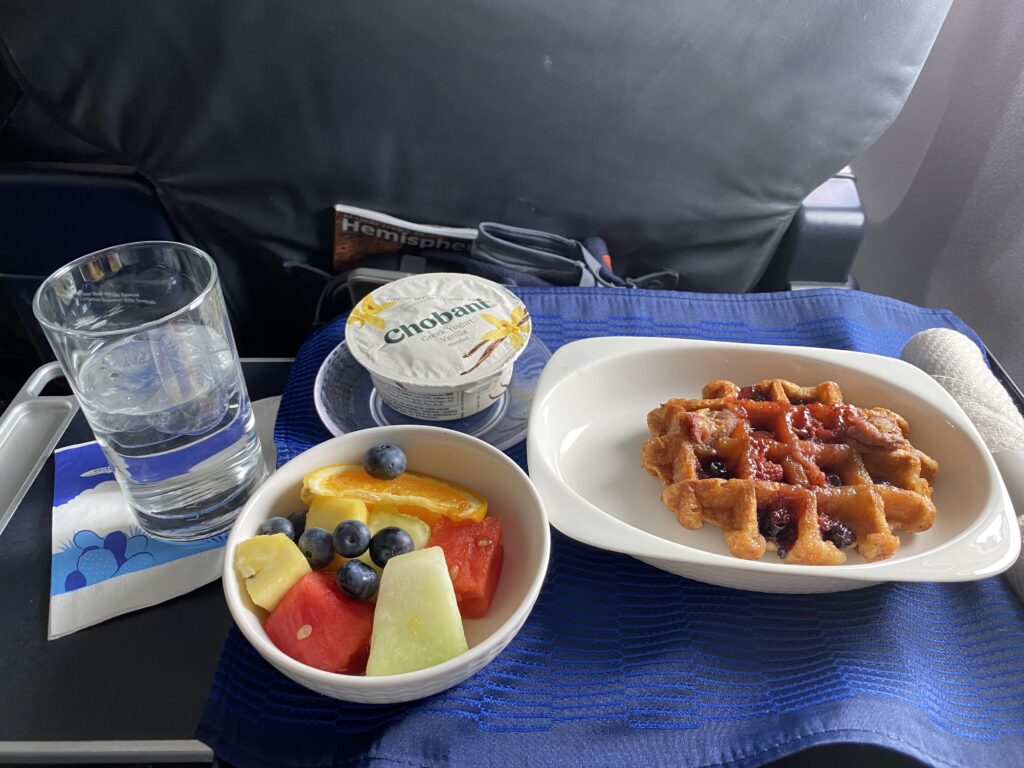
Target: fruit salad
<point x="378" y="572"/>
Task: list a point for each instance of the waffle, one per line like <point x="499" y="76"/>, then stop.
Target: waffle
<point x="789" y="468"/>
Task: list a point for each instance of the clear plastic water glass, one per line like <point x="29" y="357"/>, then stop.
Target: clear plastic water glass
<point x="142" y="333"/>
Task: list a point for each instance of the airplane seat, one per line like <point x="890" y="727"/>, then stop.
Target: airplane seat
<point x="686" y="135"/>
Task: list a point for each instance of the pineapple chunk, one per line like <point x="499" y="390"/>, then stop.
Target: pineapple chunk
<point x="270" y="566"/>
<point x="416" y="623"/>
<point x="327" y="511"/>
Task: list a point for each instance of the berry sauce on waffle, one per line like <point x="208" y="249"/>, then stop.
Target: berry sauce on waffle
<point x="794" y="469"/>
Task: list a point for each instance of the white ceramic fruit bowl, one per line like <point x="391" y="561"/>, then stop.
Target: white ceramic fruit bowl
<point x="450" y="455"/>
<point x="589" y="420"/>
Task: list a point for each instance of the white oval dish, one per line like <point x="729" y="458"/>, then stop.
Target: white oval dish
<point x="588" y="422"/>
<point x="442" y="453"/>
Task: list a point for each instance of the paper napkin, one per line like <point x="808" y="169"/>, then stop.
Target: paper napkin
<point x="101" y="563"/>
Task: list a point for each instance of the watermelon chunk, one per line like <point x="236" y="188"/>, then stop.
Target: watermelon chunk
<point x="474" y="553"/>
<point x="316" y="624"/>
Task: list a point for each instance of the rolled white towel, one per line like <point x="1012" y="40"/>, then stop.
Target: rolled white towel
<point x="957" y="364"/>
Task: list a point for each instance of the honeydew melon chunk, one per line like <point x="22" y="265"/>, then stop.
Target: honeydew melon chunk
<point x="270" y="565"/>
<point x="416" y="623"/>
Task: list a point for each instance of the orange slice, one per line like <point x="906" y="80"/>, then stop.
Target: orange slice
<point x="428" y="498"/>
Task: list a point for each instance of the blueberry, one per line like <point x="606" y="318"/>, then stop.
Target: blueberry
<point x="753" y="393"/>
<point x="351" y="538"/>
<point x="715" y="468"/>
<point x="389" y="542"/>
<point x="298" y="521"/>
<point x="357" y="580"/>
<point x="833" y="479"/>
<point x="385" y="462"/>
<point x="778" y="526"/>
<point x="277" y="525"/>
<point x="840" y="535"/>
<point x="773" y="522"/>
<point x="315" y="544"/>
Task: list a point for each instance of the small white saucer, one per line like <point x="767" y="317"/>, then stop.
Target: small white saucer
<point x="346" y="399"/>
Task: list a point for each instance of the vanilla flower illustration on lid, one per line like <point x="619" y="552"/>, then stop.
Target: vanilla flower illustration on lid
<point x="516" y="330"/>
<point x="366" y="311"/>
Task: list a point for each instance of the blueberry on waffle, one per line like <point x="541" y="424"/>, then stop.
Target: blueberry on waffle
<point x="790" y="468"/>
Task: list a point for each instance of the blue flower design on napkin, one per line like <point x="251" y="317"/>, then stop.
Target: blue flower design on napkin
<point x="95" y="536"/>
<point x="103" y="558"/>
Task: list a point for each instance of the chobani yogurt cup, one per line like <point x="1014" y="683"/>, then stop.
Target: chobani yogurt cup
<point x="441" y="345"/>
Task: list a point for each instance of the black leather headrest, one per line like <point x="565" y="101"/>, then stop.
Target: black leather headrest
<point x="683" y="133"/>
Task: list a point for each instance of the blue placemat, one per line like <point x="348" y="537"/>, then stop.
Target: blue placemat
<point x="622" y="664"/>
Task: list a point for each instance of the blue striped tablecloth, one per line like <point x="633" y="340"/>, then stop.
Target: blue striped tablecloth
<point x="622" y="664"/>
